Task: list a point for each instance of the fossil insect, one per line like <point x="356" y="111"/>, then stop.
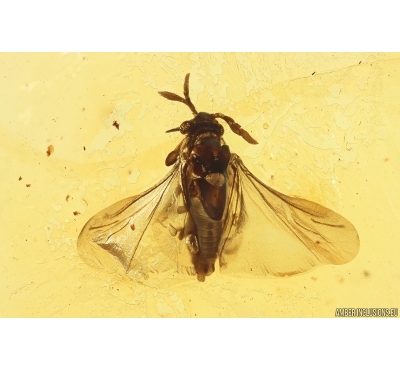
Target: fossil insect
<point x="210" y="208"/>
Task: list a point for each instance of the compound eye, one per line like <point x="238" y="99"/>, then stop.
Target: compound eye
<point x="184" y="127"/>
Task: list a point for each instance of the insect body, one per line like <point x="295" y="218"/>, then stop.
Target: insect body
<point x="213" y="205"/>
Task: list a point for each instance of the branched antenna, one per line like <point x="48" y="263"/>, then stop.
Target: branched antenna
<point x="236" y="128"/>
<point x="175" y="97"/>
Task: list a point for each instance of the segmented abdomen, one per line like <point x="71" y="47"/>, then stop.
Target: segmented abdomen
<point x="208" y="231"/>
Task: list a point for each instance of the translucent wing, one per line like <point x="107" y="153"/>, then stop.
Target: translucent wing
<point x="140" y="232"/>
<point x="267" y="232"/>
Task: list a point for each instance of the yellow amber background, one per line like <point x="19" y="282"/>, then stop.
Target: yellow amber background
<point x="328" y="128"/>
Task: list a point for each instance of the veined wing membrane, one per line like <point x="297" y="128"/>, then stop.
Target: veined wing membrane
<point x="140" y="232"/>
<point x="267" y="232"/>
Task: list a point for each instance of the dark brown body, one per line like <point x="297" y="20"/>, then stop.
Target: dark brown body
<point x="205" y="158"/>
